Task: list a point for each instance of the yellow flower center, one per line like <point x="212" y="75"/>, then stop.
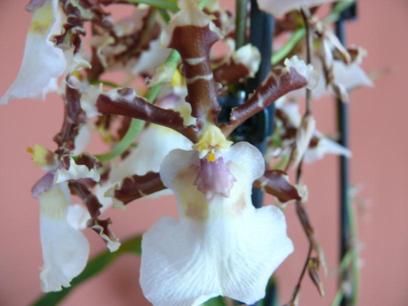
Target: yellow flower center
<point x="211" y="141"/>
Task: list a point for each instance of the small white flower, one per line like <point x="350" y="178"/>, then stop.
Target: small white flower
<point x="65" y="249"/>
<point x="43" y="62"/>
<point x="221" y="244"/>
<point x="324" y="145"/>
<point x="281" y="7"/>
<point x="77" y="217"/>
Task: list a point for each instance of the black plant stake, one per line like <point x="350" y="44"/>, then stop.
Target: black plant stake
<point x="346" y="239"/>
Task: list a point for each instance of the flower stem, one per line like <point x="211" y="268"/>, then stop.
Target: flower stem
<point x="241" y="16"/>
<point x="160" y="4"/>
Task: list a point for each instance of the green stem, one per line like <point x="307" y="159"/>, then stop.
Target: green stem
<point x="283" y="52"/>
<point x="106" y="83"/>
<point x="349" y="263"/>
<point x="170" y="5"/>
<point x="95" y="266"/>
<point x="337" y="10"/>
<point x="136" y="125"/>
<point x="298" y="35"/>
<point x="160" y="4"/>
<point x="241" y="16"/>
<point x="355" y="270"/>
<point x="202" y="3"/>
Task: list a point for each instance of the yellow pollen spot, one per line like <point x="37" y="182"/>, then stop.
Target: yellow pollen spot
<point x="77" y="75"/>
<point x="212" y="139"/>
<point x="211" y="156"/>
<point x="41" y="155"/>
<point x="177" y="80"/>
<point x="42" y="19"/>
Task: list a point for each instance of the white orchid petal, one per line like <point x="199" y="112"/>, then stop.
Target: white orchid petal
<point x="249" y="56"/>
<point x="291" y="110"/>
<point x="325" y="146"/>
<point x="65" y="249"/>
<point x="42" y="61"/>
<point x="350" y="76"/>
<point x="75" y="172"/>
<point x="104" y="199"/>
<point x="281" y="7"/>
<point x="155" y="143"/>
<point x="77" y="217"/>
<point x="186" y="263"/>
<point x="151" y="58"/>
<point x="82" y="139"/>
<point x="221" y="245"/>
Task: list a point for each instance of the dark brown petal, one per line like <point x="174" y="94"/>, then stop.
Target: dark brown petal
<point x="127" y="104"/>
<point x="280" y="82"/>
<point x="276" y="183"/>
<point x="135" y="187"/>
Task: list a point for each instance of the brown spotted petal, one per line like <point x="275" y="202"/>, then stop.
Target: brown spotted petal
<point x="214" y="177"/>
<point x="280" y="82"/>
<point x="192" y="25"/>
<point x="138" y="186"/>
<point x="276" y="183"/>
<point x="125" y="102"/>
<point x="242" y="64"/>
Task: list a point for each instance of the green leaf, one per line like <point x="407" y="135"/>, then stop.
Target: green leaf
<point x="271" y="297"/>
<point x="94" y="267"/>
<point x="218" y="301"/>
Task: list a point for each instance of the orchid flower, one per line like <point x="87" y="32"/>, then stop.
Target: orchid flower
<point x="43" y="62"/>
<point x="281" y="7"/>
<point x="65" y="249"/>
<point x="221" y="244"/>
<point x="317" y="144"/>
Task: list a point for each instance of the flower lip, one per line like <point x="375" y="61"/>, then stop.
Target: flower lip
<point x="214" y="177"/>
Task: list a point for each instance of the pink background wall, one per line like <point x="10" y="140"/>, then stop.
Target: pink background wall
<point x="379" y="169"/>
